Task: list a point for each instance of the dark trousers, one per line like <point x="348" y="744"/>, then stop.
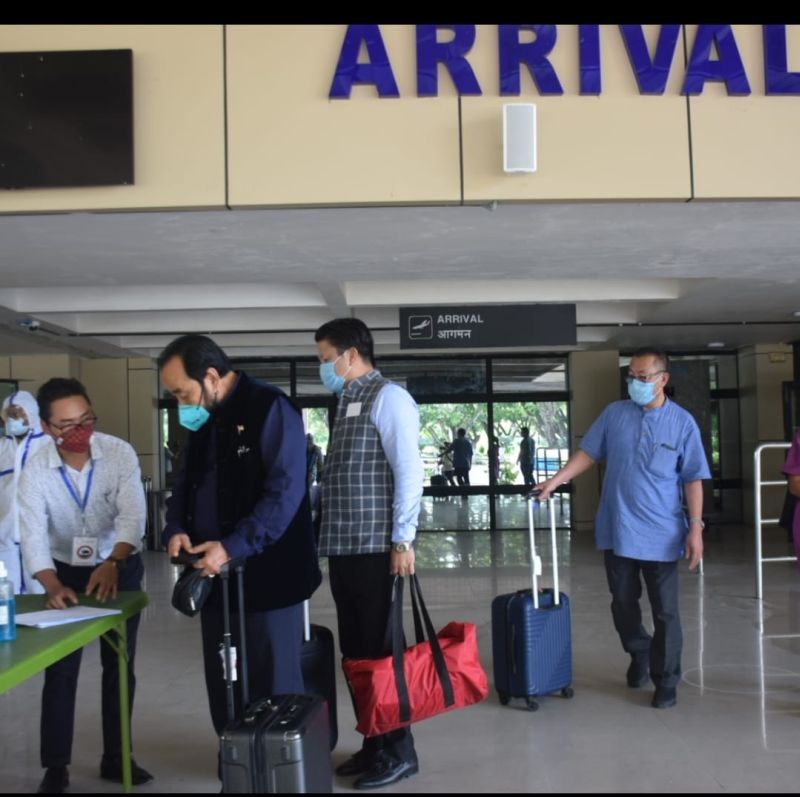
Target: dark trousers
<point x="362" y="590"/>
<point x="527" y="473"/>
<point x="61" y="678"/>
<point x="462" y="474"/>
<point x="661" y="580"/>
<point x="274" y="645"/>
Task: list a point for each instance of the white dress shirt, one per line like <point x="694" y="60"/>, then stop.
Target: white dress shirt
<point x="50" y="516"/>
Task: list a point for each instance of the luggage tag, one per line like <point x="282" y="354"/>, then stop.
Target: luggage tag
<point x="353" y="409"/>
<point x="84" y="551"/>
<point x="234" y="676"/>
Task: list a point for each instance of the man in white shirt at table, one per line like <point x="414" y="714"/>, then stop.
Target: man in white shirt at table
<point x="82" y="518"/>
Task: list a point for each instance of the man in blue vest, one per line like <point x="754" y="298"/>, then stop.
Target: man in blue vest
<point x="242" y="494"/>
<point x="371" y="490"/>
<point x="654" y="461"/>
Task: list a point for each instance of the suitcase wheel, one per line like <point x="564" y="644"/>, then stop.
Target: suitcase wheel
<point x="567" y="691"/>
<point x="531" y="703"/>
<point x="503" y="696"/>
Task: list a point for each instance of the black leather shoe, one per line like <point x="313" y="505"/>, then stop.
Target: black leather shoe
<point x="357" y="764"/>
<point x="639" y="671"/>
<point x="55" y="781"/>
<point x="664" y="697"/>
<point x="385" y="771"/>
<point x="111" y="769"/>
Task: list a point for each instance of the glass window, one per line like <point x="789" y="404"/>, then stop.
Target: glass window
<point x="526" y="375"/>
<point x="422" y="377"/>
<point x="307" y="377"/>
<point x="316" y="424"/>
<point x="276" y="373"/>
<point x="454" y="513"/>
<point x="439" y="425"/>
<point x="548" y="431"/>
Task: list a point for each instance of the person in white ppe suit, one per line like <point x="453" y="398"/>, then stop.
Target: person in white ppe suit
<point x="24" y="437"/>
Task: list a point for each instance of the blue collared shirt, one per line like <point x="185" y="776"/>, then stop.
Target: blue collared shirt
<point x="396" y="417"/>
<point x="650" y="455"/>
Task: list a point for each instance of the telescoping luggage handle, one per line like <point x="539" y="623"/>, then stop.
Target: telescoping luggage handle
<point x="552" y="510"/>
<point x="306" y="622"/>
<point x="238" y="566"/>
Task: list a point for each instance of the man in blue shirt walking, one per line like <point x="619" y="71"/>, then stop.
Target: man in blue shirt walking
<point x="654" y="462"/>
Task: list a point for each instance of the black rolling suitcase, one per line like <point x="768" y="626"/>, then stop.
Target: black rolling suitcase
<point x="280" y="745"/>
<point x="319" y="668"/>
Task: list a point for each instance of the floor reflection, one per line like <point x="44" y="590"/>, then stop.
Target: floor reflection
<point x="455" y="512"/>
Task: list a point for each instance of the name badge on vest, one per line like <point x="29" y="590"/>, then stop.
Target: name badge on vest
<point x="353" y="409"/>
<point x="84" y="551"/>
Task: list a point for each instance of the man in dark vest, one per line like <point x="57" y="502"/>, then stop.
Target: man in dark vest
<point x="242" y="493"/>
<point x="371" y="488"/>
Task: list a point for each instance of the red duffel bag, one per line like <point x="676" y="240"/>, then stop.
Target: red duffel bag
<point x="435" y="675"/>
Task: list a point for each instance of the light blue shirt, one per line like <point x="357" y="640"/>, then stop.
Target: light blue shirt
<point x="650" y="455"/>
<point x="396" y="417"/>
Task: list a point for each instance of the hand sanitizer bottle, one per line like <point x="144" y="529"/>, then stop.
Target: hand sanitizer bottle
<point x="8" y="625"/>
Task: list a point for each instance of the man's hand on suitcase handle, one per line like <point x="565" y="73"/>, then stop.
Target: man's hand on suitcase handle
<point x="214" y="556"/>
<point x="542" y="490"/>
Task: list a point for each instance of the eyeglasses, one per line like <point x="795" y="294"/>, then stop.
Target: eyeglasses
<point x="83" y="423"/>
<point x="646" y="378"/>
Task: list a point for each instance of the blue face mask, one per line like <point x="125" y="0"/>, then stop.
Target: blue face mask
<point x="328" y="376"/>
<point x="192" y="418"/>
<point x="16" y="427"/>
<point x="641" y="392"/>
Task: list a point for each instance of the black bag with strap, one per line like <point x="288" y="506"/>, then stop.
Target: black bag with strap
<point x="191" y="589"/>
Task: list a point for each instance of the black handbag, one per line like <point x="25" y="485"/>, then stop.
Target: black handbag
<point x="191" y="589"/>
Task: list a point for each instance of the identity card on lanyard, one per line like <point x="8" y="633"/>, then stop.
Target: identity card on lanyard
<point x="84" y="549"/>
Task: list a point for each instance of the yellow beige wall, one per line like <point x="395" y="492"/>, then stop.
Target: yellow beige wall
<point x="33" y="370"/>
<point x="124" y="395"/>
<point x="743" y="146"/>
<point x="289" y="144"/>
<point x="178" y="113"/>
<point x="762" y="371"/>
<point x="593" y="383"/>
<point x="616" y="145"/>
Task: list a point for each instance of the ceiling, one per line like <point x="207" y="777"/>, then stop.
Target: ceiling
<point x="679" y="275"/>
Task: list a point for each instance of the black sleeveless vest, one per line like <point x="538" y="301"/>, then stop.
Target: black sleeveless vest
<point x="286" y="572"/>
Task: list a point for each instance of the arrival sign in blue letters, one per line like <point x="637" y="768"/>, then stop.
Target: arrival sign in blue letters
<point x="713" y="56"/>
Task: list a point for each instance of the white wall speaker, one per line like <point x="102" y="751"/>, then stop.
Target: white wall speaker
<point x="519" y="137"/>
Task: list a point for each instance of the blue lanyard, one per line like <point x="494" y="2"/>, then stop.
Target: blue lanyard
<point x="27" y="447"/>
<point x="73" y="493"/>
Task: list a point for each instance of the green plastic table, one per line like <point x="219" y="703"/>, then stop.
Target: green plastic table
<point x="34" y="649"/>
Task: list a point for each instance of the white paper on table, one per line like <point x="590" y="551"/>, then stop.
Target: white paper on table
<point x="52" y="617"/>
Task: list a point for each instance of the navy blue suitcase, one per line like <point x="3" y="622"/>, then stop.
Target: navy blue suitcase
<point x="532" y="647"/>
<point x="318" y="661"/>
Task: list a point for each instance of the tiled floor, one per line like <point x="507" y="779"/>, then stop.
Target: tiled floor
<point x="736" y="726"/>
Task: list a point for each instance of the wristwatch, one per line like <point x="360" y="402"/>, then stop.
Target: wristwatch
<point x="697" y="520"/>
<point x="401" y="547"/>
<point x="120" y="563"/>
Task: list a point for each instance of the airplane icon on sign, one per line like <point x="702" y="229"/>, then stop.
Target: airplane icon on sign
<point x="420" y="327"/>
